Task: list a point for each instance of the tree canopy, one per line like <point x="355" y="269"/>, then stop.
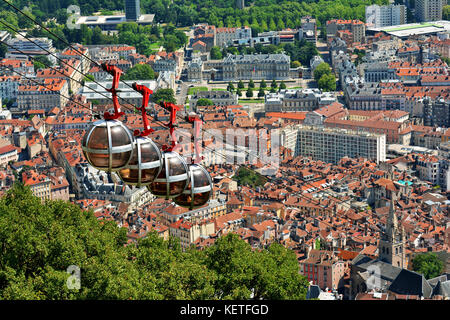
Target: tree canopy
<point x="261" y="15"/>
<point x="139" y="72"/>
<point x="428" y="264"/>
<point x="216" y="54"/>
<point x="321" y="69"/>
<point x="327" y="82"/>
<point x="161" y="95"/>
<point x="204" y="102"/>
<point x="40" y="241"/>
<point x="446" y="12"/>
<point x="245" y="176"/>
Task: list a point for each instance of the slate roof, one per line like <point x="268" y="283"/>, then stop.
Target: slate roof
<point x="411" y="283"/>
<point x="387" y="271"/>
<point x="261" y="58"/>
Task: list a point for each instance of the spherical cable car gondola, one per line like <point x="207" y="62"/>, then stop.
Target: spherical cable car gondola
<point x="200" y="189"/>
<point x="173" y="178"/>
<point x="108" y="144"/>
<point x="146" y="161"/>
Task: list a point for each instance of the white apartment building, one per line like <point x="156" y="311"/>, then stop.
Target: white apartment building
<point x="8" y="153"/>
<point x="331" y="145"/>
<point x="52" y="93"/>
<point x="383" y="16"/>
<point x="95" y="91"/>
<point x="78" y="52"/>
<point x="39" y="184"/>
<point x="70" y="71"/>
<point x="17" y="67"/>
<point x="189" y="232"/>
<point x="21" y="47"/>
<point x="288" y="137"/>
<point x="213" y="209"/>
<point x="9" y="86"/>
<point x="429" y="10"/>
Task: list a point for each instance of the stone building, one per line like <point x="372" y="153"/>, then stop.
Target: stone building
<point x="219" y="98"/>
<point x="392" y="244"/>
<point x="241" y="67"/>
<point x="288" y="100"/>
<point x="355" y="27"/>
<point x="256" y="67"/>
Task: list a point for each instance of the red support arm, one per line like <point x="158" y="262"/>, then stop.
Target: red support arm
<point x="173" y="109"/>
<point x="146" y="92"/>
<point x="195" y="119"/>
<point x="116" y="73"/>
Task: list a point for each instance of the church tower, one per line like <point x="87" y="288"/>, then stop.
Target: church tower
<point x="391" y="247"/>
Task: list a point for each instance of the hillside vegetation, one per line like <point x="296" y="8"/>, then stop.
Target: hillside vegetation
<point x="38" y="242"/>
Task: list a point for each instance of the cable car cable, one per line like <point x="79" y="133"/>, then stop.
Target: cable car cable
<point x="48" y="30"/>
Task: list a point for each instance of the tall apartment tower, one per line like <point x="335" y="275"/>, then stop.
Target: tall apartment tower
<point x="391" y="248"/>
<point x="384" y="16"/>
<point x="240" y="4"/>
<point x="429" y="10"/>
<point x="132" y="10"/>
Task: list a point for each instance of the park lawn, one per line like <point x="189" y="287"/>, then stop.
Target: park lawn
<point x="241" y="101"/>
<point x="193" y="90"/>
<point x="155" y="46"/>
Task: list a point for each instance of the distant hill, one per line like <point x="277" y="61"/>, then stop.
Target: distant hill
<point x="260" y="14"/>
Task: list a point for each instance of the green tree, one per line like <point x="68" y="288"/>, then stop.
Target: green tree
<point x="282" y="85"/>
<point x="230" y="87"/>
<point x="97" y="36"/>
<point x="263" y="84"/>
<point x="166" y="95"/>
<point x="321" y="69"/>
<point x="273" y="84"/>
<point x="89" y="78"/>
<point x="261" y="93"/>
<point x="269" y="274"/>
<point x="281" y="24"/>
<point x="446" y="12"/>
<point x="216" y="54"/>
<point x="23" y="21"/>
<point x="428" y="264"/>
<point x="41" y="62"/>
<point x="272" y="25"/>
<point x="204" y="102"/>
<point x="241" y="84"/>
<point x="170" y="46"/>
<point x="139" y="72"/>
<point x="239" y="92"/>
<point x="249" y="177"/>
<point x="3" y="50"/>
<point x="10" y="19"/>
<point x="251" y="84"/>
<point x="317" y="244"/>
<point x="39" y="241"/>
<point x="295" y="64"/>
<point x="327" y="82"/>
<point x="249" y="93"/>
